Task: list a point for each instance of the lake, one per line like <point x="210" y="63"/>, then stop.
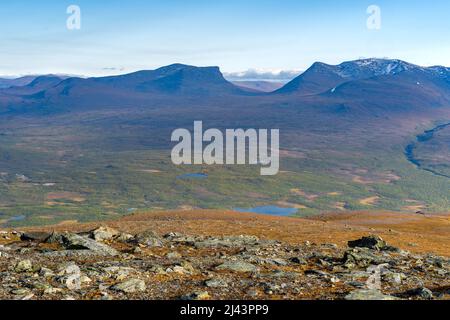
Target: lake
<point x="270" y="210"/>
<point x="193" y="176"/>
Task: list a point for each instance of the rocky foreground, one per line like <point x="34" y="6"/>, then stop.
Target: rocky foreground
<point x="107" y="264"/>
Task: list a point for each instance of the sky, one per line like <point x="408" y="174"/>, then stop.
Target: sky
<point x="275" y="36"/>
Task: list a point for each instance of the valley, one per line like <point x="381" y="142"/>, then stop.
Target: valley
<point x="97" y="149"/>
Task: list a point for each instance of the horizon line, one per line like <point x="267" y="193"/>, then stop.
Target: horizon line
<point x="224" y="73"/>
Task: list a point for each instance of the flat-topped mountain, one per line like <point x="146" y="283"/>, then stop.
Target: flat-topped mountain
<point x="170" y="82"/>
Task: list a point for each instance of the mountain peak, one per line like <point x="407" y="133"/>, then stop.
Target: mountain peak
<point x="321" y="77"/>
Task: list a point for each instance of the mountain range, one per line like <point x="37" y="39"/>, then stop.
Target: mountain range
<point x="380" y="83"/>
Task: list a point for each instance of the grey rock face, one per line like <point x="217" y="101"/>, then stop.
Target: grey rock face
<point x="76" y="242"/>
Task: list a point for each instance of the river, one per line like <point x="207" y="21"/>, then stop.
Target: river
<point x="423" y="138"/>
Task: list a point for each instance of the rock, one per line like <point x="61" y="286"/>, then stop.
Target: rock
<point x="317" y="273"/>
<point x="371" y="242"/>
<point x="41" y="286"/>
<point x="365" y="294"/>
<point x="85" y="279"/>
<point x="298" y="260"/>
<point x="172" y="235"/>
<point x="70" y="276"/>
<point x="149" y="239"/>
<point x="216" y="283"/>
<point x="237" y="266"/>
<point x="24" y="266"/>
<point x="52" y="290"/>
<point x="227" y="242"/>
<point x="424" y="293"/>
<point x="184" y="268"/>
<point x="76" y="242"/>
<point x="20" y="292"/>
<point x="158" y="270"/>
<point x="74" y="254"/>
<point x="130" y="286"/>
<point x="178" y="269"/>
<point x="137" y="250"/>
<point x="3" y="254"/>
<point x="55" y="237"/>
<point x="361" y="257"/>
<point x="180" y="239"/>
<point x="197" y="296"/>
<point x="124" y="237"/>
<point x="282" y="274"/>
<point x="3" y="248"/>
<point x="46" y="273"/>
<point x="118" y="273"/>
<point x="394" y="278"/>
<point x="276" y="262"/>
<point x="35" y="236"/>
<point x="334" y="280"/>
<point x="28" y="297"/>
<point x="104" y="234"/>
<point x="173" y="255"/>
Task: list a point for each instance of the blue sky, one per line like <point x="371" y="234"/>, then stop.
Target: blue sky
<point x="124" y="36"/>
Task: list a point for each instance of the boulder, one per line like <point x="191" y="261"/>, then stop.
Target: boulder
<point x="35" y="236"/>
<point x="149" y="239"/>
<point x="423" y="293"/>
<point x="24" y="266"/>
<point x="104" y="234"/>
<point x="372" y="242"/>
<point x="130" y="286"/>
<point x="361" y="257"/>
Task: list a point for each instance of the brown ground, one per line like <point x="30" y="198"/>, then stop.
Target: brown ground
<point x="413" y="232"/>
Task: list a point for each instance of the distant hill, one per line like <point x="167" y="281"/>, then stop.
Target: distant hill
<point x="16" y="82"/>
<point x="259" y="86"/>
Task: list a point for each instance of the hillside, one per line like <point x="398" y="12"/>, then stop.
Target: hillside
<point x="200" y="255"/>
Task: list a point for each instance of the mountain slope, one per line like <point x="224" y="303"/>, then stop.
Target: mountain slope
<point x="407" y="90"/>
<point x="174" y="82"/>
<point x="16" y="82"/>
<point x="322" y="77"/>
